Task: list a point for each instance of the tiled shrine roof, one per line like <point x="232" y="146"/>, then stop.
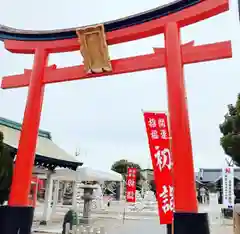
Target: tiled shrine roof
<point x="48" y="154"/>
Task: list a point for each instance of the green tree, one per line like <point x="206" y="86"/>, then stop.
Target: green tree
<point x="230" y="129"/>
<point x="122" y="166"/>
<point x="153" y="186"/>
<point x="6" y="170"/>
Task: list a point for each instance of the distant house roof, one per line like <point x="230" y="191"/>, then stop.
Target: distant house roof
<point x="205" y="175"/>
<point x="214" y="174"/>
<point x="148" y="175"/>
<point x="48" y="154"/>
<point x="147" y="169"/>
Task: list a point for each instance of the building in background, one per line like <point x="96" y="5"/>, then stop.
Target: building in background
<point x="147" y="174"/>
<point x="212" y="180"/>
<point x="207" y="179"/>
<point x="48" y="154"/>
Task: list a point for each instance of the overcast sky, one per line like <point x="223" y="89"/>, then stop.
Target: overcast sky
<point x="102" y="117"/>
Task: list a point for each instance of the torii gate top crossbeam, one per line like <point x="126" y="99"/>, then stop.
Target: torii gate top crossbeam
<point x="184" y="12"/>
<point x="62" y="34"/>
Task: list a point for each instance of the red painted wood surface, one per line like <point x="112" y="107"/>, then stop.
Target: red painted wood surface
<point x="28" y="139"/>
<point x="191" y="15"/>
<point x="191" y="54"/>
<point x="181" y="147"/>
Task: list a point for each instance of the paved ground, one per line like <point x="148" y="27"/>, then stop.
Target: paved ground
<point x="136" y="224"/>
<point x="135" y="227"/>
<point x="152" y="227"/>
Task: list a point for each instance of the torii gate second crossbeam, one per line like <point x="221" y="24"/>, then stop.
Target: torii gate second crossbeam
<point x="191" y="54"/>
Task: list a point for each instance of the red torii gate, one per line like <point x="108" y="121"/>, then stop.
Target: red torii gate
<point x="173" y="57"/>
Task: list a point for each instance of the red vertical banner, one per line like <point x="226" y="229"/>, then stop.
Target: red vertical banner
<point x="159" y="145"/>
<point x="33" y="191"/>
<point x="131" y="185"/>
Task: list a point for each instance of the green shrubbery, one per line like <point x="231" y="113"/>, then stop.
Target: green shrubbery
<point x="70" y="217"/>
<point x="6" y="170"/>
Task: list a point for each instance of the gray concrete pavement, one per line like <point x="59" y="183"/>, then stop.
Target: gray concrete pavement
<point x="135" y="224"/>
<point x="140" y="227"/>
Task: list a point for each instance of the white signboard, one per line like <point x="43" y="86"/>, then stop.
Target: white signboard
<point x="228" y="186"/>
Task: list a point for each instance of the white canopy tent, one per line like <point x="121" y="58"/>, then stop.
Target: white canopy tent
<point x="86" y="174"/>
<point x="81" y="174"/>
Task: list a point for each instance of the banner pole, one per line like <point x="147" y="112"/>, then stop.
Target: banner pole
<point x="170" y="226"/>
<point x="169" y="229"/>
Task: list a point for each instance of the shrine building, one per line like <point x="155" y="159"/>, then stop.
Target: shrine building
<point x="48" y="154"/>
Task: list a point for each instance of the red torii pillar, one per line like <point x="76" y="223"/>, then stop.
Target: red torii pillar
<point x="173" y="57"/>
<point x="179" y="123"/>
<point x="27" y="144"/>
